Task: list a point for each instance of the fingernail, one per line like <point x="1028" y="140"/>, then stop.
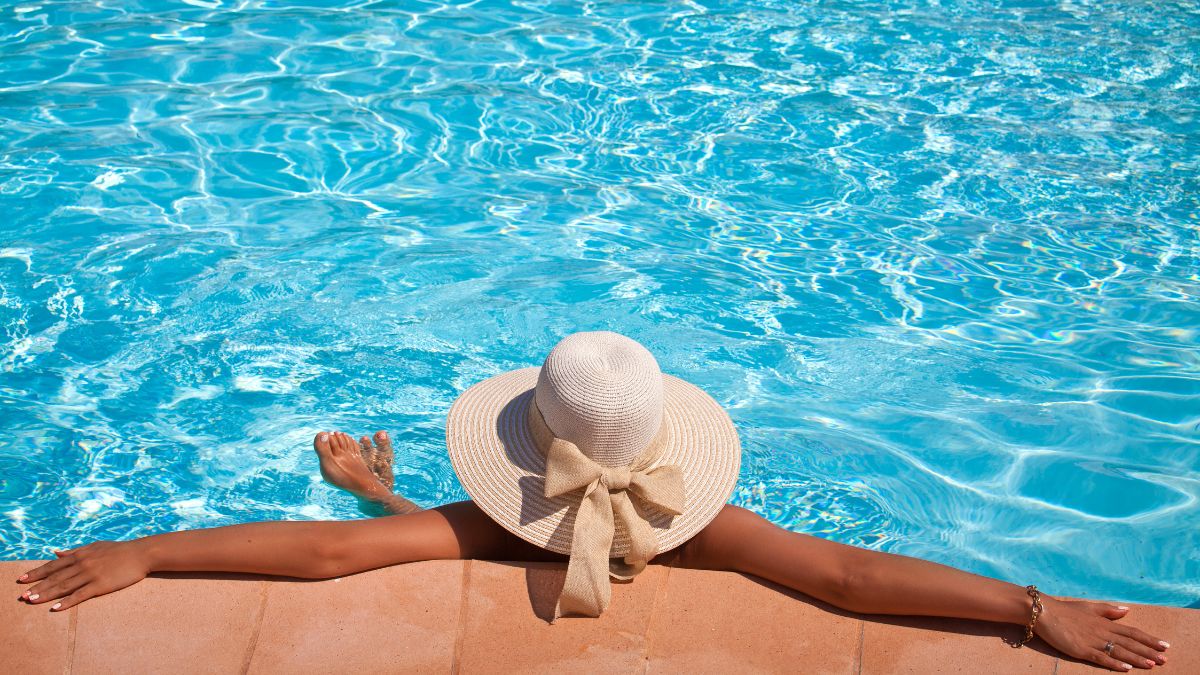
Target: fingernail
<point x="56" y="605"/>
<point x="1149" y="662"/>
<point x="35" y="596"/>
<point x="1164" y="643"/>
<point x="1126" y="666"/>
<point x="23" y="577"/>
<point x="1122" y="607"/>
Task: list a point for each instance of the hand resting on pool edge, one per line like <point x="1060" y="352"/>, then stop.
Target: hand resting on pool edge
<point x="556" y="458"/>
<point x="855" y="579"/>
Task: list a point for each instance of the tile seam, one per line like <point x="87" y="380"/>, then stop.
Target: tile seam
<point x="646" y="642"/>
<point x="1056" y="662"/>
<point x="456" y="656"/>
<point x="862" y="641"/>
<point x="72" y="625"/>
<point x="252" y="643"/>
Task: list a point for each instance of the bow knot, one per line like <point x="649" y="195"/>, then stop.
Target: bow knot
<point x="609" y="495"/>
<point x="616" y="477"/>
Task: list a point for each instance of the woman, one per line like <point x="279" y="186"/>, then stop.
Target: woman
<point x="599" y="459"/>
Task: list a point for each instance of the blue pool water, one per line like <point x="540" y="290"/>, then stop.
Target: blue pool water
<point x="940" y="261"/>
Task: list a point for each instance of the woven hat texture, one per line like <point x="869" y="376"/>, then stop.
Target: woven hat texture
<point x="605" y="393"/>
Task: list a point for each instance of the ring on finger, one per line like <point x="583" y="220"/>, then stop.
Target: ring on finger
<point x="1108" y="647"/>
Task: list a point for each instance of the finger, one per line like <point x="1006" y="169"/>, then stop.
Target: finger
<point x="45" y="592"/>
<point x="39" y="573"/>
<point x="1140" y="635"/>
<point x="1122" y="654"/>
<point x="1143" y="652"/>
<point x="1099" y="658"/>
<point x="73" y="599"/>
<point x="1109" y="611"/>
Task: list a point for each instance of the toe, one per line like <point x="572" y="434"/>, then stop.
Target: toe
<point x="366" y="450"/>
<point x="384" y="442"/>
<point x="321" y="442"/>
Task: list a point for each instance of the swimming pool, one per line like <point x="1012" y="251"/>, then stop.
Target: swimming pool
<point x="941" y="263"/>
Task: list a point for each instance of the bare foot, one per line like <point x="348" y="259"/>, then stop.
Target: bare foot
<point x="343" y="465"/>
<point x="363" y="468"/>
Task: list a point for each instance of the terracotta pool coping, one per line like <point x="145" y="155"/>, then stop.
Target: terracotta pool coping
<point x="473" y="616"/>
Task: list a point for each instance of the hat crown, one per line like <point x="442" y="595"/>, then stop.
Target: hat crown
<point x="603" y="392"/>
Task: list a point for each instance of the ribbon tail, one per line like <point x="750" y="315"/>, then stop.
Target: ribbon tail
<point x="643" y="542"/>
<point x="586" y="590"/>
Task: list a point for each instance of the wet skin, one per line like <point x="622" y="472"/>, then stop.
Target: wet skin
<point x="855" y="579"/>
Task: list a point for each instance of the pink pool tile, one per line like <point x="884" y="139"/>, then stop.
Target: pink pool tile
<point x="481" y="617"/>
<point x="32" y="639"/>
<point x="169" y="626"/>
<point x="929" y="645"/>
<point x="713" y="622"/>
<point x="505" y="628"/>
<point x="402" y="619"/>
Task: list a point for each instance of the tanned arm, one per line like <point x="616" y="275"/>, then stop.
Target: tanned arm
<point x="310" y="550"/>
<point x="873" y="582"/>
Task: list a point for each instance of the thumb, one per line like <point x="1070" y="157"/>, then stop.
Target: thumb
<point x="1110" y="611"/>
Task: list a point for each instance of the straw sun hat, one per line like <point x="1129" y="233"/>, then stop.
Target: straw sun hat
<point x="596" y="455"/>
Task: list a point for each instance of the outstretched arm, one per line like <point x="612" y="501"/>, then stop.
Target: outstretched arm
<point x="872" y="582"/>
<point x="311" y="550"/>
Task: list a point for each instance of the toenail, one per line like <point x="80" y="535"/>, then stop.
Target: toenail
<point x="322" y="436"/>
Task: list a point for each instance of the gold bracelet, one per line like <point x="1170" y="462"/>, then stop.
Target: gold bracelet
<point x="1034" y="612"/>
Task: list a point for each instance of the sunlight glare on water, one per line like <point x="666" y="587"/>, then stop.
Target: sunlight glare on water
<point x="940" y="262"/>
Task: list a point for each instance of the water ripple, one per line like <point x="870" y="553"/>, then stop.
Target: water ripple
<point x="941" y="263"/>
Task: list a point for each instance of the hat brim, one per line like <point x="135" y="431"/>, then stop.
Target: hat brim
<point x="502" y="469"/>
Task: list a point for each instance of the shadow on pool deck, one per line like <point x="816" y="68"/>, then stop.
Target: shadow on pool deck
<point x="472" y="617"/>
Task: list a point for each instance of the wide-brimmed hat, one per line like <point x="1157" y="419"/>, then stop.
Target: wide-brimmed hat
<point x="596" y="455"/>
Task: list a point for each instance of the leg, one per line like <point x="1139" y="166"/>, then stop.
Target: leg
<point x="457" y="530"/>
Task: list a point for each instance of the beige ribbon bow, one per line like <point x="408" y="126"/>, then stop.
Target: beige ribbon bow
<point x="610" y="494"/>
